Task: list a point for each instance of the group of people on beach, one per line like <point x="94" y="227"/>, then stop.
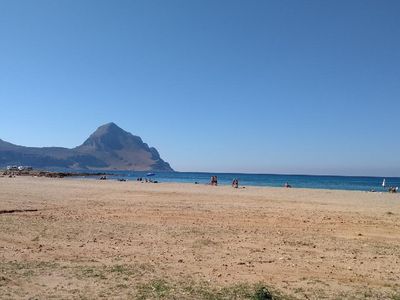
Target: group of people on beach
<point x="141" y="179"/>
<point x="214" y="182"/>
<point x="391" y="189"/>
<point x="235" y="183"/>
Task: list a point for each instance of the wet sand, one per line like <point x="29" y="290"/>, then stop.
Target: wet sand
<point x="91" y="239"/>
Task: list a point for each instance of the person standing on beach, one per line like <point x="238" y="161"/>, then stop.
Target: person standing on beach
<point x="235" y="183"/>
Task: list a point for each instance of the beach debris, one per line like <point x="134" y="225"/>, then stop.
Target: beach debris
<point x="4" y="279"/>
<point x="270" y="261"/>
<point x="10" y="211"/>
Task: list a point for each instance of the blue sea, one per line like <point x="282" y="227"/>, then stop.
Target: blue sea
<point x="271" y="180"/>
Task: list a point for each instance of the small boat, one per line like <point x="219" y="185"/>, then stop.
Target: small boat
<point x="150" y="174"/>
<point x="384" y="182"/>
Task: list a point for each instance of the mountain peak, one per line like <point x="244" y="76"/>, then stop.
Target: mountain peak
<point x="108" y="128"/>
<point x="110" y="137"/>
<point x="109" y="147"/>
<point x="121" y="147"/>
<point x="110" y="125"/>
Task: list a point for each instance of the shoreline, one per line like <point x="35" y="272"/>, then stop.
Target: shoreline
<point x="121" y="177"/>
<point x="50" y="174"/>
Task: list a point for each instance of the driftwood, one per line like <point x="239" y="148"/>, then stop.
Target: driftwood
<point x="11" y="211"/>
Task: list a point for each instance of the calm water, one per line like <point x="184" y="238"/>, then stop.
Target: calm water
<point x="296" y="181"/>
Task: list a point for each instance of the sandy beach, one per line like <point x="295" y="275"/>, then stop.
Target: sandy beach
<point x="87" y="239"/>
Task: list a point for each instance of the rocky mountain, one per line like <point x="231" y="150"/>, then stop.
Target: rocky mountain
<point x="108" y="148"/>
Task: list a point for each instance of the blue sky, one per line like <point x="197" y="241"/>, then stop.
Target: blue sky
<point x="285" y="86"/>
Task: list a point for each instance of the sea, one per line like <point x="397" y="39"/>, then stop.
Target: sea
<point x="357" y="183"/>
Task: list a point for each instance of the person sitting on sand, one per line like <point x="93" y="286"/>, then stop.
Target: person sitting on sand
<point x="287" y="185"/>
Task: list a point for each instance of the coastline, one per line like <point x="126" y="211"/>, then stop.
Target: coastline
<point x="327" y="182"/>
<point x="50" y="174"/>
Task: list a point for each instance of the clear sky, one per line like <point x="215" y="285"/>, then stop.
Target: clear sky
<point x="284" y="86"/>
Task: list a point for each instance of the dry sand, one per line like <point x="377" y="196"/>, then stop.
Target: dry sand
<point x="90" y="239"/>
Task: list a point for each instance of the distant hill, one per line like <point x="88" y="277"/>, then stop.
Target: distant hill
<point x="108" y="148"/>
